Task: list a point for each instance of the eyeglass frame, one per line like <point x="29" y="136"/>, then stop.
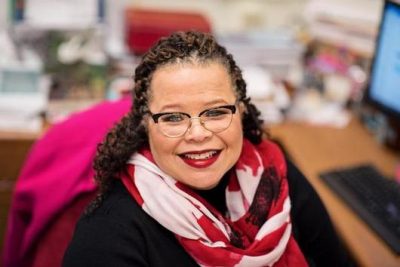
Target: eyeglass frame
<point x="156" y="116"/>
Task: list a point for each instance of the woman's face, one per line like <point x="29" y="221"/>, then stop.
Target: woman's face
<point x="199" y="158"/>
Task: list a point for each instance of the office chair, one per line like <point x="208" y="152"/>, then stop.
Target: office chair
<point x="55" y="185"/>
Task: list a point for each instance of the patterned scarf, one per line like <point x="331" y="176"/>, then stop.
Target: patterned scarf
<point x="256" y="231"/>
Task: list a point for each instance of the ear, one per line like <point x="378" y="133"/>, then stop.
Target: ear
<point x="145" y="122"/>
<point x="242" y="109"/>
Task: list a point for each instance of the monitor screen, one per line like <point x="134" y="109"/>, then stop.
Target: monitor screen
<point x="384" y="86"/>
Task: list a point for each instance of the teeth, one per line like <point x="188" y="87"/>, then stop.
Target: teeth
<point x="205" y="155"/>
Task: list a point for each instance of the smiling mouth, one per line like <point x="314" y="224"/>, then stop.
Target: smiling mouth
<point x="200" y="156"/>
<point x="201" y="159"/>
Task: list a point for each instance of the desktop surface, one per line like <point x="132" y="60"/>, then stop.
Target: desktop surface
<point x="316" y="149"/>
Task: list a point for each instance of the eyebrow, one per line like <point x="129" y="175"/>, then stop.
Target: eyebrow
<point x="207" y="105"/>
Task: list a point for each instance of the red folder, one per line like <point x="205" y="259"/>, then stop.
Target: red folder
<point x="144" y="27"/>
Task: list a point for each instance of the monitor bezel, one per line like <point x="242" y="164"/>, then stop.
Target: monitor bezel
<point x="391" y="113"/>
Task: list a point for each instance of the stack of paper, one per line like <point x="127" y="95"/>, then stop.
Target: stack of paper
<point x="351" y="24"/>
<point x="276" y="50"/>
<point x="23" y="91"/>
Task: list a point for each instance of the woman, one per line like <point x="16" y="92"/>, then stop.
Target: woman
<point x="187" y="179"/>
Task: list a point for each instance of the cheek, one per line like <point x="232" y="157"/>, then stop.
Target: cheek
<point x="237" y="128"/>
<point x="160" y="145"/>
<point x="155" y="140"/>
<point x="234" y="137"/>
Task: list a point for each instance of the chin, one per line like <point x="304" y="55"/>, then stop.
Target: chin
<point x="206" y="187"/>
<point x="202" y="185"/>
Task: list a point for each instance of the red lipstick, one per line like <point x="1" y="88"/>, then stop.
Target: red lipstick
<point x="195" y="160"/>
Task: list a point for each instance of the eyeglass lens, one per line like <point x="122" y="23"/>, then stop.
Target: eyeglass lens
<point x="214" y="120"/>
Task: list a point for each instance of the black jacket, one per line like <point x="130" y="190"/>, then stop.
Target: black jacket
<point x="120" y="233"/>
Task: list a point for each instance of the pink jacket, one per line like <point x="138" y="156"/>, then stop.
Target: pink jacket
<point x="56" y="171"/>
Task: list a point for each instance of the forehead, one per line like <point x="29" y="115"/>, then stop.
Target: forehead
<point x="188" y="84"/>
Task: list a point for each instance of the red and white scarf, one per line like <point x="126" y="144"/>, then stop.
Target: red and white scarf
<point x="257" y="230"/>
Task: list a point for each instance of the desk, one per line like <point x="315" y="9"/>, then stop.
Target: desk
<point x="14" y="147"/>
<point x="315" y="149"/>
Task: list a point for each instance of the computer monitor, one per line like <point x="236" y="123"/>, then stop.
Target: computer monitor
<point x="383" y="91"/>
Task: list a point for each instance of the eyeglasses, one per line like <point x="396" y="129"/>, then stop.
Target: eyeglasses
<point x="176" y="124"/>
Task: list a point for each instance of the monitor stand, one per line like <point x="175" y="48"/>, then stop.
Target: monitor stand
<point x="385" y="129"/>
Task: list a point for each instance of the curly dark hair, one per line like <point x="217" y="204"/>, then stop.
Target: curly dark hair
<point x="130" y="135"/>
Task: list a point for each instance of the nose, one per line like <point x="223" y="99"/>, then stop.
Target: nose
<point x="197" y="132"/>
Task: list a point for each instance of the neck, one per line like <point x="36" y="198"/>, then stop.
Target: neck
<point x="216" y="195"/>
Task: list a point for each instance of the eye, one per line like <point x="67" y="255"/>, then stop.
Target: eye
<point x="217" y="112"/>
<point x="172" y="117"/>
